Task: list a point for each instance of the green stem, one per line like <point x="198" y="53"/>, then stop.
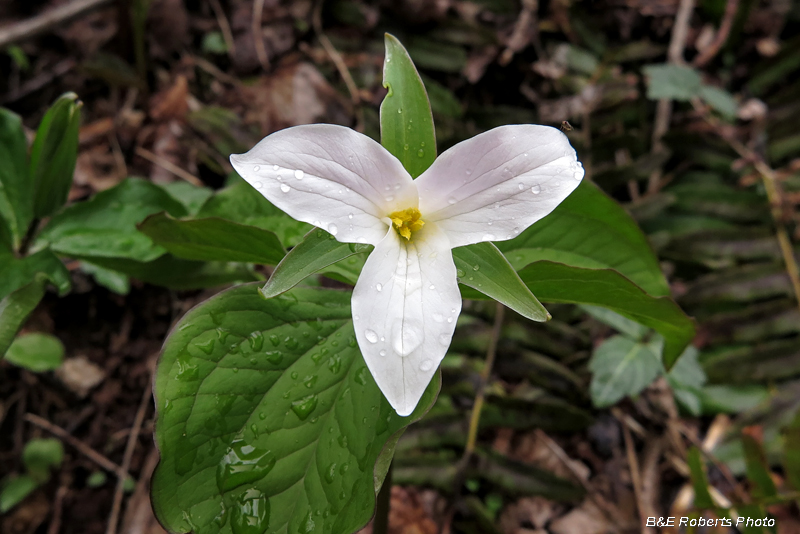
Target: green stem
<point x="381" y="523"/>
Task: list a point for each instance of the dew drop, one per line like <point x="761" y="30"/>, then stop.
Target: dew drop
<point x="521" y="187"/>
<point x="389" y="198"/>
<point x="303" y="407"/>
<point x="251" y="513"/>
<point x="450" y="320"/>
<point x="451" y="200"/>
<point x="536" y="189"/>
<point x="299" y="174"/>
<point x="431" y="287"/>
<point x="488" y="237"/>
<point x="285" y="188"/>
<point x="420" y="152"/>
<point x="349" y="215"/>
<point x="382" y="353"/>
<point x="258" y="185"/>
<point x="426" y="365"/>
<point x="399" y="111"/>
<point x="460" y="273"/>
<point x="333" y="229"/>
<point x="379" y="287"/>
<point x="256" y="168"/>
<point x="275" y="167"/>
<point x="476" y="267"/>
<point x="405" y="147"/>
<point x="371" y="336"/>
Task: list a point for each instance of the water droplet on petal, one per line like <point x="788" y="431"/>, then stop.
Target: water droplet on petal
<point x="371" y="336"/>
<point x="333" y="229"/>
<point x="350" y="216"/>
<point x="521" y="186"/>
<point x="488" y="237"/>
<point x="431" y="287"/>
<point x="258" y="185"/>
<point x="426" y="365"/>
<point x="285" y="188"/>
<point x="299" y="174"/>
<point x="379" y="287"/>
<point x="536" y="189"/>
<point x="256" y="168"/>
<point x="451" y="200"/>
<point x="275" y="167"/>
<point x="382" y="353"/>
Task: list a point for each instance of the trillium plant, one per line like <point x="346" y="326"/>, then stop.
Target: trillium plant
<point x="279" y="407"/>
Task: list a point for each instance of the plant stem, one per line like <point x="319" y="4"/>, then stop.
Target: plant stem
<point x="380" y="525"/>
<point x="480" y="396"/>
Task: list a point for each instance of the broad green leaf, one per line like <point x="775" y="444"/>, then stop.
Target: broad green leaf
<point x="622" y="367"/>
<point x="590" y="230"/>
<point x="105" y="226"/>
<point x="15" y="308"/>
<point x="53" y="155"/>
<point x="241" y="203"/>
<point x="697" y="472"/>
<point x="555" y="282"/>
<point x="213" y="239"/>
<point x="36" y="352"/>
<point x="16" y="191"/>
<point x="676" y="82"/>
<point x="736" y="398"/>
<point x="110" y="279"/>
<point x="40" y="455"/>
<point x="484" y="268"/>
<point x="406" y="120"/>
<point x="175" y="273"/>
<point x="191" y="196"/>
<point x="268" y="419"/>
<point x="757" y="468"/>
<point x="19" y="271"/>
<point x="14" y="490"/>
<point x="318" y="250"/>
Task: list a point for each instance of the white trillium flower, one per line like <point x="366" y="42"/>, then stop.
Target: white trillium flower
<point x="406" y="301"/>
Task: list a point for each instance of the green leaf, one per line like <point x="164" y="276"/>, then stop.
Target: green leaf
<point x="697" y="472"/>
<point x="53" y="155"/>
<point x="16" y="191"/>
<point x="105" y="226"/>
<point x="622" y="367"/>
<point x="16" y="307"/>
<point x="14" y="490"/>
<point x="174" y="273"/>
<point x="268" y="419"/>
<point x="110" y="279"/>
<point x="687" y="378"/>
<point x="406" y="120"/>
<point x="40" y="455"/>
<point x="20" y="271"/>
<point x="484" y="268"/>
<point x="590" y="230"/>
<point x="213" y="239"/>
<point x="757" y="468"/>
<point x="791" y="452"/>
<point x="622" y="324"/>
<point x="675" y="82"/>
<point x="555" y="282"/>
<point x="241" y="203"/>
<point x="318" y="250"/>
<point x="36" y="352"/>
<point x="719" y="99"/>
<point x="191" y="196"/>
<point x="725" y="398"/>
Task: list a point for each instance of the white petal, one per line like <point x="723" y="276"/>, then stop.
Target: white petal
<point x="496" y="184"/>
<point x="329" y="176"/>
<point x="405" y="307"/>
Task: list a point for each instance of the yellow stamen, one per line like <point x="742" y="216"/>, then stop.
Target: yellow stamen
<point x="407" y="221"/>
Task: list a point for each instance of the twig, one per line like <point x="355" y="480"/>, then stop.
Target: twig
<point x="58" y="507"/>
<point x="113" y="518"/>
<point x="636" y="480"/>
<point x="165" y="164"/>
<point x="731" y="7"/>
<point x="224" y="27"/>
<point x="480" y="396"/>
<point x="215" y="71"/>
<point x="770" y="180"/>
<point x="25" y="29"/>
<point x="677" y="44"/>
<point x="87" y="451"/>
<point x="258" y="35"/>
<point x="336" y="57"/>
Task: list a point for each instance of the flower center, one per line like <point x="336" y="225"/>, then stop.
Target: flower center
<point x="407" y="221"/>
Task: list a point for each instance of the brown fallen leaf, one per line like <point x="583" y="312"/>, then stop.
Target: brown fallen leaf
<point x="171" y="102"/>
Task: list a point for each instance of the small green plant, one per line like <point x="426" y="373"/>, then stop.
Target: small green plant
<point x="40" y="456"/>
